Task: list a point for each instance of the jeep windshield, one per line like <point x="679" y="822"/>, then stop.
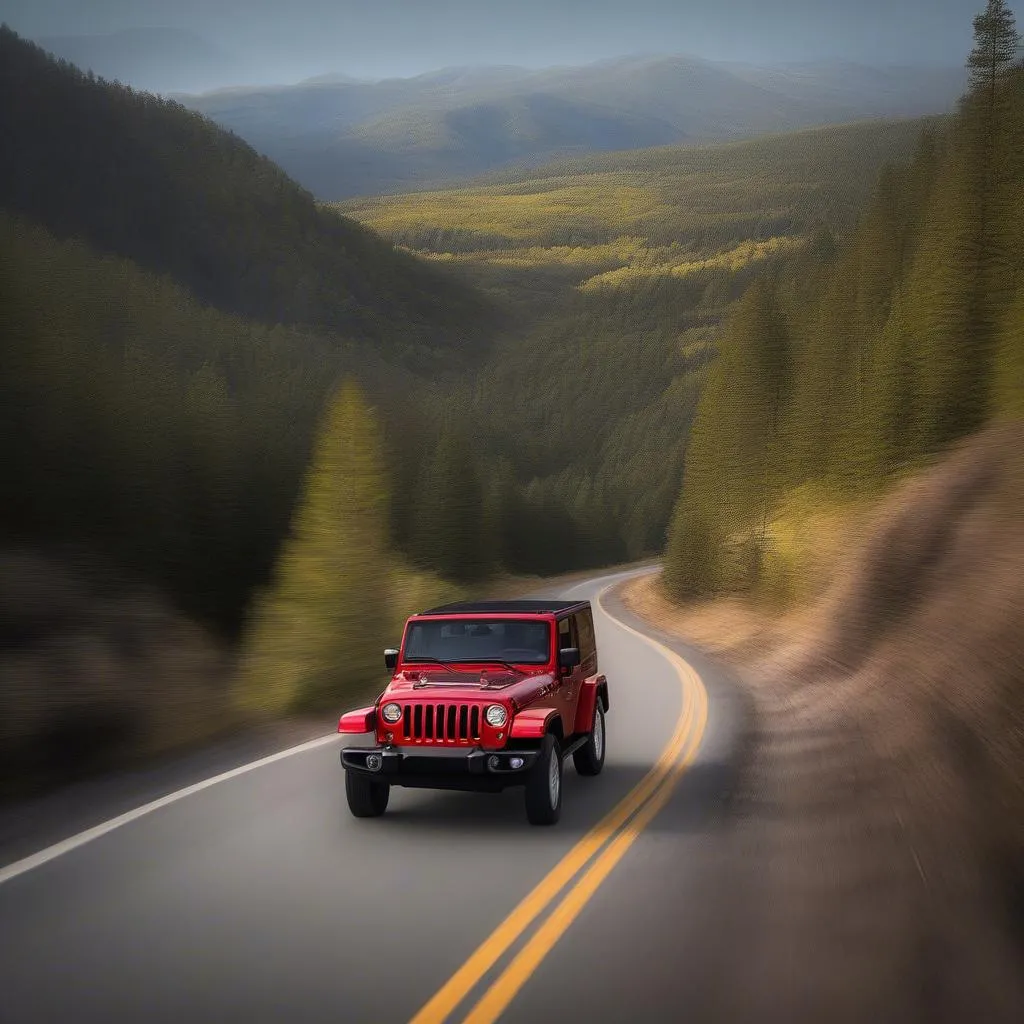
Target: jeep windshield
<point x="515" y="641"/>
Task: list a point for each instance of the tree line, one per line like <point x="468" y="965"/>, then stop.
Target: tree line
<point x="907" y="337"/>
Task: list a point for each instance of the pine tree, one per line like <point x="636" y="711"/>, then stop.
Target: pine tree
<point x="317" y="635"/>
<point x="693" y="556"/>
<point x="947" y="342"/>
<point x="449" y="521"/>
<point x="892" y="413"/>
<point x="995" y="49"/>
<point x="734" y="463"/>
<point x="986" y="159"/>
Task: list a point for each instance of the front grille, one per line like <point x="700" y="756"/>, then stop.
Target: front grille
<point x="442" y="723"/>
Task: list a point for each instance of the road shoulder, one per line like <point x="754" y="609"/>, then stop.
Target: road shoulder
<point x="731" y="709"/>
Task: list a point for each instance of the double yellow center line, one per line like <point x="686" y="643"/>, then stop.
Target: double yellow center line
<point x="622" y="825"/>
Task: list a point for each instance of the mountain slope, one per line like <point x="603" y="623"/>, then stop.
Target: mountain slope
<point x="342" y="139"/>
<point x="422" y="148"/>
<point x="146" y="179"/>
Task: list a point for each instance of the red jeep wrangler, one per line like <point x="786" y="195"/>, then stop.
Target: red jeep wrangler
<point x="484" y="695"/>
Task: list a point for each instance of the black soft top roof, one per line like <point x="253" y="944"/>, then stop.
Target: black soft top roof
<point x="552" y="606"/>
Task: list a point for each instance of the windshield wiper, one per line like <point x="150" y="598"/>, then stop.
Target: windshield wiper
<point x="414" y="658"/>
<point x="493" y="661"/>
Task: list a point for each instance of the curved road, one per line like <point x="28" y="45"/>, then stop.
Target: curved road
<point x="258" y="898"/>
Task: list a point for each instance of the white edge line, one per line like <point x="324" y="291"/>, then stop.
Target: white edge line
<point x="35" y="860"/>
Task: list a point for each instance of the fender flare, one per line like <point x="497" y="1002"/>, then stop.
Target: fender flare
<point x="533" y="723"/>
<point x="360" y="721"/>
<point x="593" y="689"/>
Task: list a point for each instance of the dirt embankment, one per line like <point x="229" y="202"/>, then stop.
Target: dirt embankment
<point x="874" y="864"/>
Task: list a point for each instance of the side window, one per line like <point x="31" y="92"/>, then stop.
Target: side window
<point x="587" y="640"/>
<point x="566" y="633"/>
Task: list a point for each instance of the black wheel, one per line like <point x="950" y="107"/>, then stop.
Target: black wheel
<point x="367" y="798"/>
<point x="589" y="759"/>
<point x="544" y="785"/>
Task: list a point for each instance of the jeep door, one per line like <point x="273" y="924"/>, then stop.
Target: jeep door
<point x="568" y="681"/>
<point x="586" y="640"/>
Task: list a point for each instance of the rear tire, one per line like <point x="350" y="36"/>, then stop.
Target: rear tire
<point x="367" y="798"/>
<point x="589" y="759"/>
<point x="544" y="785"/>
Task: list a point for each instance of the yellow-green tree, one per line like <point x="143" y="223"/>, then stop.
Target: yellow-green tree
<point x="1008" y="386"/>
<point x="317" y="635"/>
<point x="734" y="460"/>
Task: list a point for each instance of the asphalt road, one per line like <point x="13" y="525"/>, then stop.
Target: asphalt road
<point x="259" y="898"/>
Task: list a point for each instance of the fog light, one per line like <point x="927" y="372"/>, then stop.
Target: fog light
<point x="492" y="763"/>
<point x="374" y="762"/>
<point x="515" y="762"/>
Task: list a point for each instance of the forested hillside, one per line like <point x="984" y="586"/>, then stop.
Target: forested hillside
<point x="619" y="270"/>
<point x="906" y="339"/>
<point x="140" y="423"/>
<point x="174" y="314"/>
<point x="145" y="178"/>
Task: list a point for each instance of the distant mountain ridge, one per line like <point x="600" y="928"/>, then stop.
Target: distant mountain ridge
<point x="347" y="138"/>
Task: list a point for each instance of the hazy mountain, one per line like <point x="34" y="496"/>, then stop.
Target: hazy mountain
<point x="901" y="91"/>
<point x="154" y="59"/>
<point x="346" y="138"/>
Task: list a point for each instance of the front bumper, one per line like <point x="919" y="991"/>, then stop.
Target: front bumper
<point x="437" y="768"/>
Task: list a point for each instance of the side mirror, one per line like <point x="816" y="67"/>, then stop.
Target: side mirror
<point x="569" y="657"/>
<point x="390" y="658"/>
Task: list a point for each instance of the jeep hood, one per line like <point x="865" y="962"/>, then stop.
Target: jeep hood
<point x="430" y="680"/>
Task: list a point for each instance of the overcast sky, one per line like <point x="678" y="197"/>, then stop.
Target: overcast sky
<point x="384" y="37"/>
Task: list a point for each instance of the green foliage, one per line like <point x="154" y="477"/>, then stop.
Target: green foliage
<point x="995" y="46"/>
<point x="738" y="427"/>
<point x="316" y="636"/>
<point x="617" y="271"/>
<point x="134" y="421"/>
<point x="140" y="176"/>
<point x="450" y="532"/>
<point x="666" y="207"/>
<point x="903" y="342"/>
<point x="1008" y="387"/>
<point x="142" y="415"/>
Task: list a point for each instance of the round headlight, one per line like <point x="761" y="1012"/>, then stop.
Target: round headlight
<point x="391" y="713"/>
<point x="496" y="716"/>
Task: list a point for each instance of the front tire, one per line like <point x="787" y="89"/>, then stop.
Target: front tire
<point x="367" y="798"/>
<point x="544" y="785"/>
<point x="589" y="759"/>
